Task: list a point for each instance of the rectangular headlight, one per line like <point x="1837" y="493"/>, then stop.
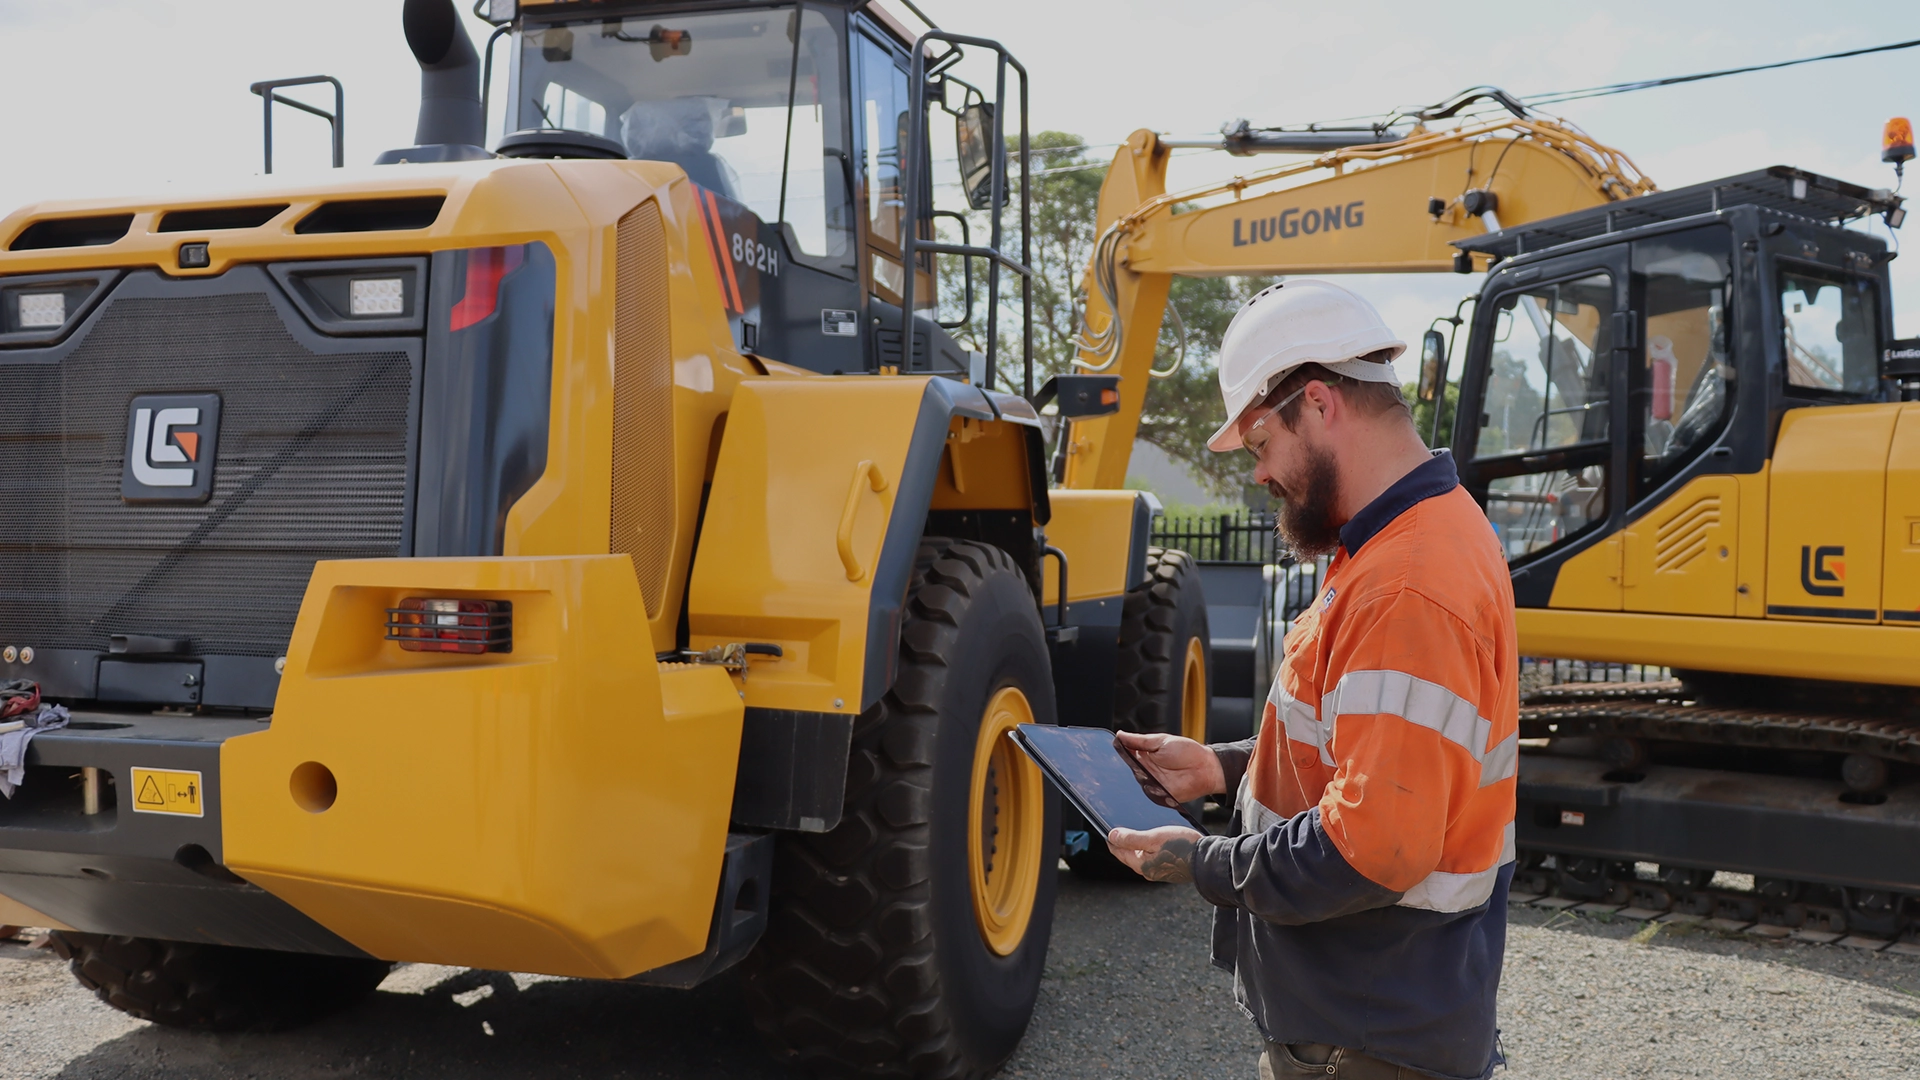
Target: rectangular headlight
<point x="377" y="296"/>
<point x="40" y="311"/>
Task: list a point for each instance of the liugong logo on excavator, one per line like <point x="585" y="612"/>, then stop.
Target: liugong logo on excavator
<point x="1818" y="564"/>
<point x="1295" y="221"/>
<point x="171" y="439"/>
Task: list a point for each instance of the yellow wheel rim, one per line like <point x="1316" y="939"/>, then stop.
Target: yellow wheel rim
<point x="1193" y="693"/>
<point x="1006" y="816"/>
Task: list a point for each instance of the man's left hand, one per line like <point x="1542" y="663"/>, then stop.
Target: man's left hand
<point x="1162" y="854"/>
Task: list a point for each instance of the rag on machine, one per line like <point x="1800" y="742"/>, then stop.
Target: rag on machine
<point x="22" y="716"/>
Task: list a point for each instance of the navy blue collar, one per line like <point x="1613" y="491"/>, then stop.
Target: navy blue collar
<point x="1435" y="476"/>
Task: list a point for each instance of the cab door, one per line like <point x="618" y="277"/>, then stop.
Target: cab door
<point x="1536" y="438"/>
<point x="1681" y="546"/>
<point x="880" y="118"/>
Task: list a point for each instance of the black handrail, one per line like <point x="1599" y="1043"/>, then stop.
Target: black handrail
<point x="337" y="119"/>
<point x="911" y="244"/>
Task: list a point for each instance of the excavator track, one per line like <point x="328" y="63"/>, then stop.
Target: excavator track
<point x="1661" y="711"/>
<point x="1616" y="814"/>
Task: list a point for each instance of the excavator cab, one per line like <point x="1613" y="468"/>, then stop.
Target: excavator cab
<point x="1621" y="356"/>
<point x="794" y="123"/>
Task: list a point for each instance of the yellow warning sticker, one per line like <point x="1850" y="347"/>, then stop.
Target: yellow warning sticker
<point x="167" y="791"/>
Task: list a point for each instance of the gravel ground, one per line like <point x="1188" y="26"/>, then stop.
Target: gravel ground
<point x="1128" y="993"/>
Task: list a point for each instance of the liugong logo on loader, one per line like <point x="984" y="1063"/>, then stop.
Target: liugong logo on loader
<point x="1818" y="564"/>
<point x="171" y="439"/>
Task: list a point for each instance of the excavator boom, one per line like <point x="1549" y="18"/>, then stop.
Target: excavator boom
<point x="1379" y="208"/>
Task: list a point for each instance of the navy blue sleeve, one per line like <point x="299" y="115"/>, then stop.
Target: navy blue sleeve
<point x="1233" y="762"/>
<point x="1289" y="874"/>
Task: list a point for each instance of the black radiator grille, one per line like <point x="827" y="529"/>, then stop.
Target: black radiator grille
<point x="311" y="464"/>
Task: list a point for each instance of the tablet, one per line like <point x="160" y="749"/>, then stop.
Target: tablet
<point x="1090" y="772"/>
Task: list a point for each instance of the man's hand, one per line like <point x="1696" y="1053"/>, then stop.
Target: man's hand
<point x="1187" y="769"/>
<point x="1162" y="854"/>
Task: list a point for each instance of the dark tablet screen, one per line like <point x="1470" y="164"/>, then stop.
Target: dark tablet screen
<point x="1088" y="769"/>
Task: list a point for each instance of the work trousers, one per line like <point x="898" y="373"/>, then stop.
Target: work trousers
<point x="1300" y="1060"/>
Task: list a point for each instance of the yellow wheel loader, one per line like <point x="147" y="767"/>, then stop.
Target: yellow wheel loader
<point x="590" y="555"/>
<point x="1690" y="425"/>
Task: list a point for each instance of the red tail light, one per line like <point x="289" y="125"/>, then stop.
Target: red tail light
<point x="481" y="294"/>
<point x="423" y="624"/>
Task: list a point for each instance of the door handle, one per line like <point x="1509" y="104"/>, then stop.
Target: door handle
<point x="865" y="475"/>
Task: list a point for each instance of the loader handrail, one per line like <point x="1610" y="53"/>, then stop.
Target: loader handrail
<point x="914" y="186"/>
<point x="337" y="119"/>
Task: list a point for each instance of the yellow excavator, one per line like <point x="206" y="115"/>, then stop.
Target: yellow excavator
<point x="1693" y="431"/>
<point x="589" y="554"/>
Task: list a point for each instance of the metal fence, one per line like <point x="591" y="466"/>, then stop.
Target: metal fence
<point x="1244" y="536"/>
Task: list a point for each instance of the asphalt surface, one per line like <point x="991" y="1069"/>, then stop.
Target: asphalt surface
<point x="1128" y="993"/>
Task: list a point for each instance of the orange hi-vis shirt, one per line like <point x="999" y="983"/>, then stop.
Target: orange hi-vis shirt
<point x="1363" y="894"/>
<point x="1397" y="710"/>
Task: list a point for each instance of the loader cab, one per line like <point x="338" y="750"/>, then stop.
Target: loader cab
<point x="791" y="122"/>
<point x="1619" y="354"/>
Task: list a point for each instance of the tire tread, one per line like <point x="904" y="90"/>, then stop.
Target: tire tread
<point x="846" y="981"/>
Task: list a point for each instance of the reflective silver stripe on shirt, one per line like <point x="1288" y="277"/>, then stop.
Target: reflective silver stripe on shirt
<point x="1429" y="705"/>
<point x="1441" y="891"/>
<point x="1302" y="722"/>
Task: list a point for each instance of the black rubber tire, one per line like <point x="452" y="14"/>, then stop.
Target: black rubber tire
<point x="1164" y="612"/>
<point x="873" y="964"/>
<point x="215" y="987"/>
<point x="1160" y="616"/>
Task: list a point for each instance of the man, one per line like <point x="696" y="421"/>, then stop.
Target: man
<point x="1362" y="893"/>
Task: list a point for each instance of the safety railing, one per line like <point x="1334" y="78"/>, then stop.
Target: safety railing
<point x="919" y="201"/>
<point x="337" y="119"/>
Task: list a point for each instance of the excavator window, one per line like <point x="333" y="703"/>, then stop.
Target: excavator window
<point x="1831" y="323"/>
<point x="1546" y="408"/>
<point x="750" y="103"/>
<point x="1686" y="372"/>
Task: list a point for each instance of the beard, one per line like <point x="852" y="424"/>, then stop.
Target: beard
<point x="1305" y="524"/>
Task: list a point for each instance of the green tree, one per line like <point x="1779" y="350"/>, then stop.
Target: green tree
<point x="1182" y="409"/>
<point x="1423" y="413"/>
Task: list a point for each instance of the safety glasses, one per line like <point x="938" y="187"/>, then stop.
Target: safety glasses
<point x="1255" y="440"/>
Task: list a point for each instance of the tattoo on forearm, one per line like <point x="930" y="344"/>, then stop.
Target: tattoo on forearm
<point x="1173" y="862"/>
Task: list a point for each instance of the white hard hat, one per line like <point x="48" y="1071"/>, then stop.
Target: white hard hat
<point x="1301" y="321"/>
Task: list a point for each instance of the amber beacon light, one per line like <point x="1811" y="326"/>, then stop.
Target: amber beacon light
<point x="1896" y="141"/>
<point x="424" y="624"/>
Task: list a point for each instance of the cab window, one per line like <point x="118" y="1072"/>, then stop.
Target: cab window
<point x="1544" y="413"/>
<point x="748" y="103"/>
<point x="1830" y="321"/>
<point x="1686" y="372"/>
<point x="881" y="114"/>
<point x="1549" y="383"/>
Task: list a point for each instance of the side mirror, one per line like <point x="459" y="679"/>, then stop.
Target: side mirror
<point x="973" y="134"/>
<point x="1433" y="364"/>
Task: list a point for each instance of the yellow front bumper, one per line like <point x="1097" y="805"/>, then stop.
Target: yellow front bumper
<point x="561" y="808"/>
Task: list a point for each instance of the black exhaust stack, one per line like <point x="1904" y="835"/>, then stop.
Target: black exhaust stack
<point x="452" y="123"/>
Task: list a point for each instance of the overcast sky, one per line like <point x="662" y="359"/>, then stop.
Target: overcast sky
<point x="107" y="97"/>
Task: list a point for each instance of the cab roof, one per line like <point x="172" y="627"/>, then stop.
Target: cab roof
<point x="1782" y="189"/>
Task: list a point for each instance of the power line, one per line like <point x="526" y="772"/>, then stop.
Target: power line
<point x="1552" y="97"/>
<point x="1674" y="80"/>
